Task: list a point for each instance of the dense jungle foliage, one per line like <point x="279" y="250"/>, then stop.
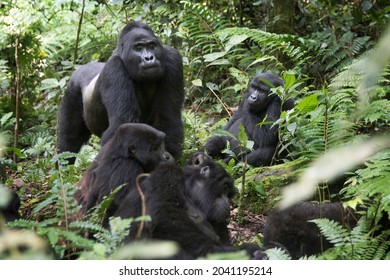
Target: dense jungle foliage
<point x="333" y="56"/>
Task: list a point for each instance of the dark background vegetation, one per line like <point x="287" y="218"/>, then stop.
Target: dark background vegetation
<point x="333" y="57"/>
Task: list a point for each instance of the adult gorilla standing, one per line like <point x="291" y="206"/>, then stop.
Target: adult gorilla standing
<point x="142" y="82"/>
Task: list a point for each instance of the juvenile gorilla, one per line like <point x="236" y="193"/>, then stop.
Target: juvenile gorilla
<point x="134" y="149"/>
<point x="205" y="188"/>
<point x="142" y="82"/>
<point x="291" y="229"/>
<point x="174" y="216"/>
<point x="209" y="187"/>
<point x="259" y="105"/>
<point x="170" y="220"/>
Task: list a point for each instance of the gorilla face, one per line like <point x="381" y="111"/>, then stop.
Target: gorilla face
<point x="143" y="143"/>
<point x="258" y="93"/>
<point x="143" y="55"/>
<point x="209" y="186"/>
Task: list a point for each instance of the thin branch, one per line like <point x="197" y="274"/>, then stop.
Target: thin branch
<point x="18" y="80"/>
<point x="143" y="204"/>
<point x="78" y="33"/>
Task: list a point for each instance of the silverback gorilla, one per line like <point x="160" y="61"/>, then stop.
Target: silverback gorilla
<point x="134" y="149"/>
<point x="259" y="105"/>
<point x="142" y="82"/>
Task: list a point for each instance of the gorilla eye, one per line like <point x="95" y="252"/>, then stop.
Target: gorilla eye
<point x="138" y="47"/>
<point x="132" y="150"/>
<point x="152" y="46"/>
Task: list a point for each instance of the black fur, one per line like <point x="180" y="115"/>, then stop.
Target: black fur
<point x="258" y="105"/>
<point x="169" y="213"/>
<point x="10" y="212"/>
<point x="134" y="149"/>
<point x="142" y="82"/>
<point x="292" y="230"/>
<point x="188" y="205"/>
<point x="209" y="187"/>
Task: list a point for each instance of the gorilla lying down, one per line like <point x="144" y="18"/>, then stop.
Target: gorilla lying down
<point x="189" y="205"/>
<point x="291" y="229"/>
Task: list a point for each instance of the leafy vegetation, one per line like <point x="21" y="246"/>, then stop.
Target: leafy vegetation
<point x="336" y="68"/>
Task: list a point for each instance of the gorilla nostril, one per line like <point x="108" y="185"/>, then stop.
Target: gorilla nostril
<point x="198" y="160"/>
<point x="167" y="157"/>
<point x="205" y="171"/>
<point x="149" y="58"/>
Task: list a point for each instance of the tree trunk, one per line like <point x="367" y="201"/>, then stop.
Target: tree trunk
<point x="18" y="79"/>
<point x="281" y="17"/>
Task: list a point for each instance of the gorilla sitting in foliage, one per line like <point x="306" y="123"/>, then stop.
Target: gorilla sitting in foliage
<point x="291" y="229"/>
<point x="171" y="215"/>
<point x="133" y="150"/>
<point x="142" y="82"/>
<point x="256" y="113"/>
<point x="189" y="205"/>
<point x="209" y="187"/>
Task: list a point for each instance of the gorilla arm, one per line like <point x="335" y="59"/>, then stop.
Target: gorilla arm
<point x="265" y="136"/>
<point x="117" y="92"/>
<point x="168" y="102"/>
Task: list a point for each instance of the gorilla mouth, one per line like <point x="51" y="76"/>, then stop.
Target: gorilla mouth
<point x="150" y="66"/>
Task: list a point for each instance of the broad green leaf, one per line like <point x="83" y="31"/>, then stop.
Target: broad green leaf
<point x="289" y="80"/>
<point x="235" y="40"/>
<point x="261" y="59"/>
<point x="308" y="104"/>
<point x="242" y="136"/>
<point x="5" y="118"/>
<point x="213" y="56"/>
<point x="220" y="62"/>
<point x="197" y="82"/>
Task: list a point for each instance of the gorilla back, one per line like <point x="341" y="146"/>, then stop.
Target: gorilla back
<point x="142" y="82"/>
<point x="134" y="149"/>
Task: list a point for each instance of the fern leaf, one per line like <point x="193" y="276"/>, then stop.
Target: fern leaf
<point x="333" y="231"/>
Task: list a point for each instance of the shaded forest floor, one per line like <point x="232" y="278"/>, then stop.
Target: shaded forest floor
<point x="247" y="230"/>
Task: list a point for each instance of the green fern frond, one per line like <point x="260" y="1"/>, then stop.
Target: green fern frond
<point x="77" y="240"/>
<point x="357" y="244"/>
<point x="270" y="42"/>
<point x="87" y="226"/>
<point x="336" y="58"/>
<point x="352" y="75"/>
<point x="98" y="213"/>
<point x="371" y="182"/>
<point x="200" y="23"/>
<point x="333" y="231"/>
<point x="277" y="254"/>
<point x="377" y="110"/>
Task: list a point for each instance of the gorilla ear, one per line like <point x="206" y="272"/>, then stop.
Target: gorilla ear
<point x="132" y="150"/>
